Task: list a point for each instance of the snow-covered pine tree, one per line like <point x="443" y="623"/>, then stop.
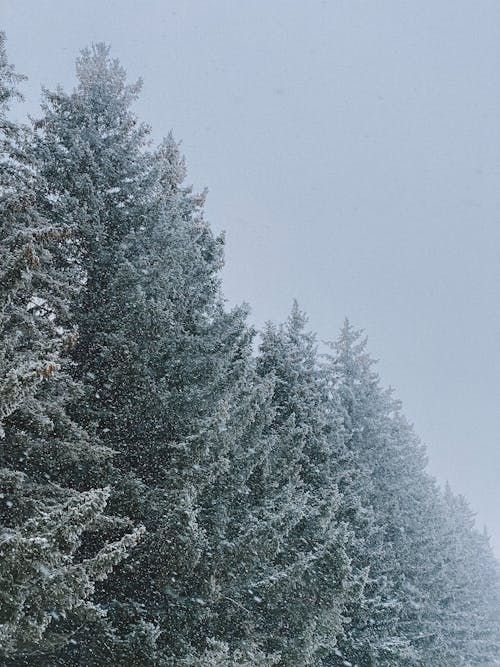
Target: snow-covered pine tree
<point x="358" y="403"/>
<point x="450" y="585"/>
<point x="161" y="360"/>
<point x="172" y="365"/>
<point x="46" y="582"/>
<point x="411" y="508"/>
<point x="91" y="153"/>
<point x="303" y="466"/>
<point x="445" y="619"/>
<point x="465" y="592"/>
<point x="171" y="386"/>
<point x="272" y="575"/>
<point x="421" y="570"/>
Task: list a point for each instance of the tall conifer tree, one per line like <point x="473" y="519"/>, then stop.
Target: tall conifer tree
<point x="168" y="379"/>
<point x="46" y="581"/>
<point x="306" y="466"/>
<point x="415" y="574"/>
<point x="356" y="400"/>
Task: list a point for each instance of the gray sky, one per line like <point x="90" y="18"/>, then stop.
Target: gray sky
<point x="352" y="153"/>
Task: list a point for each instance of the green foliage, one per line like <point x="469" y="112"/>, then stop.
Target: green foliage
<point x="42" y="579"/>
<point x="45" y="576"/>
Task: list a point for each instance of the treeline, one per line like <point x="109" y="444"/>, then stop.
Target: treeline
<point x="170" y="497"/>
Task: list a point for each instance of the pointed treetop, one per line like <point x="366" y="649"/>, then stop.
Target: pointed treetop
<point x="297" y="319"/>
<point x="350" y="337"/>
<point x="349" y="349"/>
<point x="172" y="164"/>
<point x="102" y="78"/>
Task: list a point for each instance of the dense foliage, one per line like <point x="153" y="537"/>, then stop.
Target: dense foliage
<point x="173" y="494"/>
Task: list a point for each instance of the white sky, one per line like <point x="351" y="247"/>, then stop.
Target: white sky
<point x="352" y="153"/>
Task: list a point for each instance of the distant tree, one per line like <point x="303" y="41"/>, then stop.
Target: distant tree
<point x="425" y="606"/>
<point x="466" y="592"/>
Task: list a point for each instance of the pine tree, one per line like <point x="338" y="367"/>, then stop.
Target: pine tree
<point x="44" y="577"/>
<point x="170" y="385"/>
<point x="466" y="592"/>
<point x="160" y="360"/>
<point x="364" y="409"/>
<point x="175" y="360"/>
<point x="91" y="152"/>
<point x="419" y="579"/>
<point x="306" y="464"/>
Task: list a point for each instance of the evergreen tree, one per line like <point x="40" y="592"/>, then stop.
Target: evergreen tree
<point x="466" y="592"/>
<point x="170" y="385"/>
<point x="417" y="573"/>
<point x="161" y="361"/>
<point x="43" y="575"/>
<point x="306" y="464"/>
<point x="90" y="151"/>
<point x="364" y="409"/>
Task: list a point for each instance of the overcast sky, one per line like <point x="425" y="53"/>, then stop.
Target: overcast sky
<point x="352" y="154"/>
